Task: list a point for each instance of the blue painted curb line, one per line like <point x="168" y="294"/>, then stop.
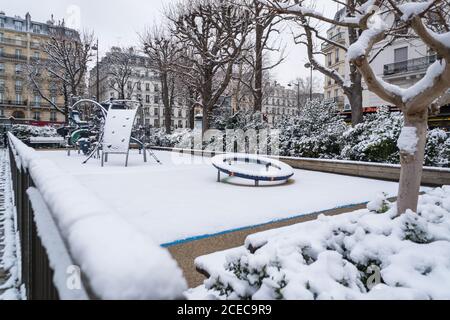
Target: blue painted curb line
<point x="207" y="236"/>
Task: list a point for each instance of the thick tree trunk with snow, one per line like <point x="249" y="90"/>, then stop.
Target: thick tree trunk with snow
<point x="355" y="96"/>
<point x="412" y="163"/>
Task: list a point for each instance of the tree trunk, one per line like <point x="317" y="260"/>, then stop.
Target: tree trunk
<point x="259" y="31"/>
<point x="356" y="104"/>
<point x="412" y="165"/>
<point x="166" y="102"/>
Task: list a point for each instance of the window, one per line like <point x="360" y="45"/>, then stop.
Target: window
<point x="53" y="117"/>
<point x="18" y="25"/>
<point x="400" y="59"/>
<point x="37" y="115"/>
<point x="156" y="111"/>
<point x="336" y="93"/>
<point x="156" y="123"/>
<point x="156" y="88"/>
<point x="1" y="111"/>
<point x="401" y="54"/>
<point x="37" y="55"/>
<point x="37" y="101"/>
<point x="18" y="98"/>
<point x="2" y="84"/>
<point x="336" y="55"/>
<point x="36" y="28"/>
<point x="18" y="53"/>
<point x="18" y="85"/>
<point x="129" y="85"/>
<point x="138" y="86"/>
<point x="329" y="58"/>
<point x="1" y="36"/>
<point x="2" y="97"/>
<point x="53" y="99"/>
<point x="2" y="68"/>
<point x="156" y="99"/>
<point x="147" y="87"/>
<point x="18" y="68"/>
<point x="147" y="99"/>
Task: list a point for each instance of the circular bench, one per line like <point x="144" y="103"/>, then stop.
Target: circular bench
<point x="224" y="163"/>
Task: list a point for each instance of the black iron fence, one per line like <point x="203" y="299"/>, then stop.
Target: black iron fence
<point x="37" y="275"/>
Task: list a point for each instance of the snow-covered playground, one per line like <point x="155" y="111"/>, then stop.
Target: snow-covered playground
<point x="181" y="199"/>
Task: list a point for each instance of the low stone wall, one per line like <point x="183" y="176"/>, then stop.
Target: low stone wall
<point x="431" y="176"/>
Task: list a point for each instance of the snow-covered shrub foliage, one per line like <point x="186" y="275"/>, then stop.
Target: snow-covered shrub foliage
<point x="437" y="151"/>
<point x="243" y="119"/>
<point x="375" y="139"/>
<point x="24" y="132"/>
<point x="180" y="138"/>
<point x="358" y="255"/>
<point x="315" y="133"/>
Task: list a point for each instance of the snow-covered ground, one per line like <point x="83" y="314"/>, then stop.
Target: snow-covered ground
<point x="9" y="266"/>
<point x="181" y="198"/>
<point x="366" y="254"/>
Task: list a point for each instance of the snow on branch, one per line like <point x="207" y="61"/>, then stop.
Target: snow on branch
<point x="411" y="9"/>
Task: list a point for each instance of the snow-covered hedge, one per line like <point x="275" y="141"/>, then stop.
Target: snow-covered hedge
<point x="366" y="254"/>
<point x="24" y="132"/>
<point x="320" y="132"/>
<point x="118" y="260"/>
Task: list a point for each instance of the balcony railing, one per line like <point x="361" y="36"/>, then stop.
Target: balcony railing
<point x="15" y="42"/>
<point x="337" y="100"/>
<point x="412" y="65"/>
<point x="339" y="38"/>
<point x="19" y="57"/>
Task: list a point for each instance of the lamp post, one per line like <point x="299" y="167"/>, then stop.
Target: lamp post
<point x="297" y="84"/>
<point x="95" y="48"/>
<point x="310" y="66"/>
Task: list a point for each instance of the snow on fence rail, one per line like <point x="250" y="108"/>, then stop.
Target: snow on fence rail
<point x="115" y="260"/>
<point x="432" y="176"/>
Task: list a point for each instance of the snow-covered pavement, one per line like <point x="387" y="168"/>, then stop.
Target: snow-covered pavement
<point x="8" y="258"/>
<point x="181" y="198"/>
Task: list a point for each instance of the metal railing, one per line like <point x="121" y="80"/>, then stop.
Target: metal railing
<point x="17" y="57"/>
<point x="412" y="65"/>
<point x="16" y="42"/>
<point x="36" y="272"/>
<point x="339" y="38"/>
<point x="37" y="275"/>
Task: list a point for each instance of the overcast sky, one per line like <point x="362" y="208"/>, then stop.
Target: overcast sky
<point x="118" y="22"/>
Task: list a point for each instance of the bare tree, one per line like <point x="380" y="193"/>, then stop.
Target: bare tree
<point x="120" y="65"/>
<point x="266" y="23"/>
<point x="418" y="101"/>
<point x="310" y="20"/>
<point x="164" y="54"/>
<point x="65" y="62"/>
<point x="215" y="32"/>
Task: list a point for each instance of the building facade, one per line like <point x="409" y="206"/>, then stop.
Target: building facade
<point x="335" y="59"/>
<point x="20" y="43"/>
<point x="280" y="101"/>
<point x="144" y="83"/>
<point x="402" y="62"/>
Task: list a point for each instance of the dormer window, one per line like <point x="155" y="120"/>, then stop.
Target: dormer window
<point x="18" y="25"/>
<point x="36" y="28"/>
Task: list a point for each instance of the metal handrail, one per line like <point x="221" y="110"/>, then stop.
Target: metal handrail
<point x="411" y="65"/>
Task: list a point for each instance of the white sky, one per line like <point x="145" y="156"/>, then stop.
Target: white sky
<point x="118" y="22"/>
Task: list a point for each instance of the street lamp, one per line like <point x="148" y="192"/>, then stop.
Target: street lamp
<point x="297" y="84"/>
<point x="310" y="66"/>
<point x="96" y="48"/>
